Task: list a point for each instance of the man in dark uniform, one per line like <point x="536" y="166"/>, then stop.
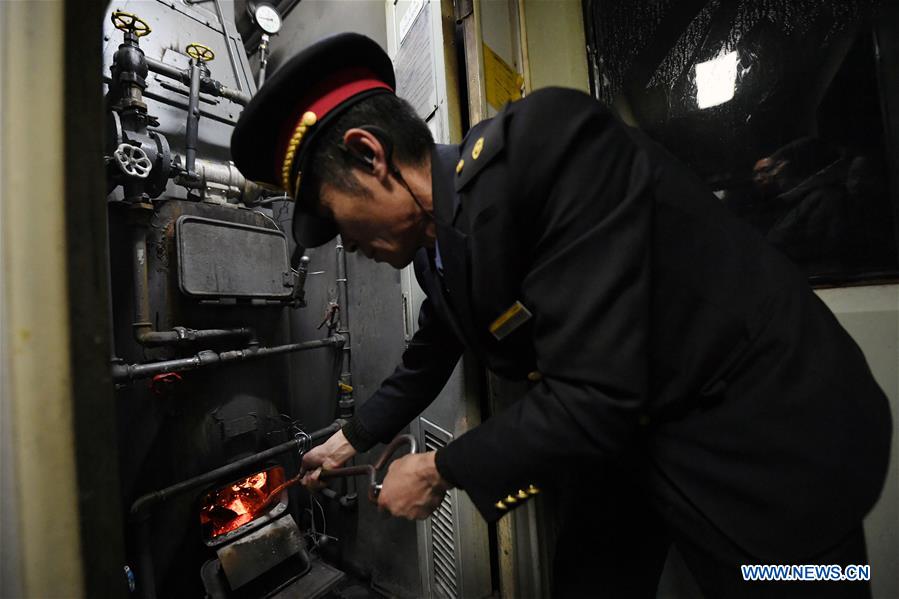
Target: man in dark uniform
<point x="686" y="384"/>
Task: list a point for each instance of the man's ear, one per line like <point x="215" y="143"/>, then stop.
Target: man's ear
<point x="385" y="141"/>
<point x="366" y="149"/>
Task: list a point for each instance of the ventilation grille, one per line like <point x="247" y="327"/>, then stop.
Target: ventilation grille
<point x="443" y="539"/>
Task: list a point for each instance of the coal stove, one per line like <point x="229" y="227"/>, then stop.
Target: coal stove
<point x="203" y="280"/>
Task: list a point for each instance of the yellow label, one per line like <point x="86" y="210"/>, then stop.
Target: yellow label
<point x="503" y="82"/>
<point x="509" y="320"/>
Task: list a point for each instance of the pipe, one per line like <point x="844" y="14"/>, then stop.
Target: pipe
<point x="234" y="66"/>
<point x="343" y="325"/>
<point x="523" y="45"/>
<point x="207" y="84"/>
<point x="221" y="174"/>
<point x="141" y="508"/>
<point x="147" y="501"/>
<point x="182" y="335"/>
<point x="193" y="118"/>
<point x="299" y="289"/>
<point x="146" y="577"/>
<point x="167" y="70"/>
<point x="346" y="403"/>
<point x="139" y="218"/>
<point x="131" y="372"/>
<point x="113" y="357"/>
<point x="174" y="102"/>
<point x="144" y="334"/>
<point x="263" y="59"/>
<point x="236" y="96"/>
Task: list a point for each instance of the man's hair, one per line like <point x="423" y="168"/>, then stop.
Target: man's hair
<point x="409" y="134"/>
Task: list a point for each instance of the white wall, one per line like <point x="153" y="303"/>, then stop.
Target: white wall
<point x="871" y="315"/>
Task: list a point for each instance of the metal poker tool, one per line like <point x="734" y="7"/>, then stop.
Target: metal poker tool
<point x="374" y="487"/>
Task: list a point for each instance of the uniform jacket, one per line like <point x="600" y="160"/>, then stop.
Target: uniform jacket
<point x="661" y="327"/>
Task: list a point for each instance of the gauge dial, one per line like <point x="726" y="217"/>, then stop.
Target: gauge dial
<point x="267" y="18"/>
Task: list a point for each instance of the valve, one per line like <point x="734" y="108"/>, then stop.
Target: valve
<point x="129" y="68"/>
<point x="133" y="161"/>
<point x="165" y="384"/>
<point x="200" y="52"/>
<point x="125" y="21"/>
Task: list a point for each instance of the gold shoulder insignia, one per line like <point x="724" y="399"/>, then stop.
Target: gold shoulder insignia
<point x="481" y="147"/>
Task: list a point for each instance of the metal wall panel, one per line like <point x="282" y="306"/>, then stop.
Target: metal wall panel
<point x="197" y="23"/>
<point x="453" y="544"/>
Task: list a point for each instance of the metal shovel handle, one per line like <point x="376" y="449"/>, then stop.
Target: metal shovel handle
<point x="374" y="487"/>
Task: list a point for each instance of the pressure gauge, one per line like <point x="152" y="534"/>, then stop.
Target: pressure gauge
<point x="267" y="18"/>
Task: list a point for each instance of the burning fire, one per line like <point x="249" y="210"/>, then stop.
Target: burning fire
<point x="230" y="507"/>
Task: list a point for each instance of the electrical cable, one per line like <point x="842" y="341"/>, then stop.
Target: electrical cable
<point x="271" y="220"/>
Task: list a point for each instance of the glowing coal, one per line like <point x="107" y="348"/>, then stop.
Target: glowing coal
<point x="240" y="502"/>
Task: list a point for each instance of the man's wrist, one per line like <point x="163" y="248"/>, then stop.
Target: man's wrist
<point x="342" y="449"/>
<point x="357" y="436"/>
<point x="435" y="479"/>
<point x="442" y="469"/>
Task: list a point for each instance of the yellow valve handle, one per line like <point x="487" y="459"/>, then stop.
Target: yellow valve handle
<point x="200" y="52"/>
<point x="125" y="21"/>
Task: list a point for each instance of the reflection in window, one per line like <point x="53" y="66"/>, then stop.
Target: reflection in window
<point x="776" y="104"/>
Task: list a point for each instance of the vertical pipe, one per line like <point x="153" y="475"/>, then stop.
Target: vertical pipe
<point x="139" y="218"/>
<point x="193" y="118"/>
<point x="238" y="72"/>
<point x="343" y="324"/>
<point x="524" y="51"/>
<point x="263" y="59"/>
<point x="113" y="358"/>
<point x="346" y="402"/>
<point x="146" y="576"/>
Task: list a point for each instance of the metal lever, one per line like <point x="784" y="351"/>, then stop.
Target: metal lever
<point x="374" y="487"/>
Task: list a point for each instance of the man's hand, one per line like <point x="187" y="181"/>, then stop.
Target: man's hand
<point x="330" y="454"/>
<point x="412" y="488"/>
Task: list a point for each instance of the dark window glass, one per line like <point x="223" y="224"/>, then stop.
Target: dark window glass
<point x="782" y="106"/>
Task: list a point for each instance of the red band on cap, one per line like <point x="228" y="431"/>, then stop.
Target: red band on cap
<point x="324" y="97"/>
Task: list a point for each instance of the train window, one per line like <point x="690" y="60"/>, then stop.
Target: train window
<point x="782" y="106"/>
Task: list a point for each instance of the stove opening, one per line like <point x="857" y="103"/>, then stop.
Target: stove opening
<point x="233" y="506"/>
